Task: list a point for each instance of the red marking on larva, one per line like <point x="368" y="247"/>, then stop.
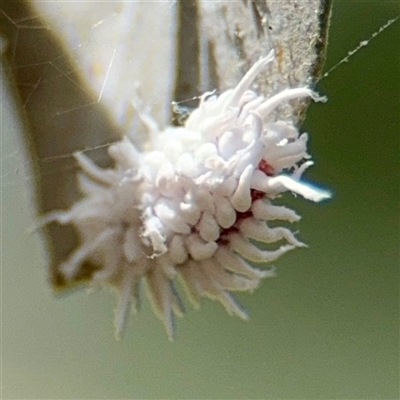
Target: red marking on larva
<point x="243" y="215"/>
<point x="256" y="195"/>
<point x="223" y="239"/>
<point x="263" y="166"/>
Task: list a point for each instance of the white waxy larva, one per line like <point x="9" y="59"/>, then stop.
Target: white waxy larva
<point x="164" y="180"/>
<point x="229" y="144"/>
<point x="224" y="212"/>
<point x="227" y="187"/>
<point x="71" y="265"/>
<point x="269" y="105"/>
<point x="125" y="154"/>
<point x="229" y="281"/>
<point x="204" y="199"/>
<point x="259" y="230"/>
<point x="169" y="217"/>
<point x="200" y="249"/>
<point x="307" y="191"/>
<point x="264" y="210"/>
<point x="208" y="227"/>
<point x="177" y="250"/>
<point x="241" y="199"/>
<point x="251" y="105"/>
<point x="239" y="266"/>
<point x="131" y="248"/>
<point x="186" y="166"/>
<point x="190" y="206"/>
<point x="252" y="253"/>
<point x="190" y="213"/>
<point x="204" y="152"/>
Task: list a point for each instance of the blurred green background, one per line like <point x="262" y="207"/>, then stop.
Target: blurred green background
<point x="326" y="328"/>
